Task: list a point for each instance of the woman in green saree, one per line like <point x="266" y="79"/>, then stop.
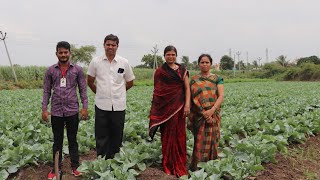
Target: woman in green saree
<point x="207" y="94"/>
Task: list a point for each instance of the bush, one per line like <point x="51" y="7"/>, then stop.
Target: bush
<point x="309" y="72"/>
<point x="292" y="74"/>
<point x="306" y="72"/>
<point x="273" y="69"/>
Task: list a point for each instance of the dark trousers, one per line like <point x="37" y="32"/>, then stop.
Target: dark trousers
<point x="108" y="132"/>
<point x="72" y="124"/>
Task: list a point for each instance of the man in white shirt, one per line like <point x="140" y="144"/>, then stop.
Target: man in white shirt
<point x="114" y="77"/>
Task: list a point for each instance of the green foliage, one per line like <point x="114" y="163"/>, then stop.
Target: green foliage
<point x="141" y="66"/>
<point x="240" y="65"/>
<point x="32" y="76"/>
<point x="311" y="59"/>
<point x="194" y="65"/>
<point x="143" y="74"/>
<point x="186" y="62"/>
<point x="255" y="64"/>
<point x="282" y="60"/>
<point x="272" y="69"/>
<point x="226" y="62"/>
<point x="258" y="119"/>
<point x="292" y="74"/>
<point x="82" y="54"/>
<point x="148" y="60"/>
<point x="234" y="80"/>
<point x="305" y="72"/>
<point x="146" y="82"/>
<point x="29" y="73"/>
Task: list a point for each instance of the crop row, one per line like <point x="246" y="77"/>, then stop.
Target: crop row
<point x="258" y="119"/>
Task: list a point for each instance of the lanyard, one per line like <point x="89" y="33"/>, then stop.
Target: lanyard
<point x="63" y="72"/>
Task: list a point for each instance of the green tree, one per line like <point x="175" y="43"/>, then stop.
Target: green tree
<point x="272" y="69"/>
<point x="194" y="65"/>
<point x="186" y="62"/>
<point x="282" y="61"/>
<point x="148" y="60"/>
<point x="226" y="63"/>
<point x="82" y="54"/>
<point x="311" y="59"/>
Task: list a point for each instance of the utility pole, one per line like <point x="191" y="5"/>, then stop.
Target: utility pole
<point x="267" y="55"/>
<point x="230" y="52"/>
<point x="234" y="65"/>
<point x="155" y="62"/>
<point x="3" y="37"/>
<point x="259" y="59"/>
<point x="247" y="60"/>
<point x="238" y="54"/>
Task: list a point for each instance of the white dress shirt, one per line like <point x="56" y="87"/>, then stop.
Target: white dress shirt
<point x="111" y="81"/>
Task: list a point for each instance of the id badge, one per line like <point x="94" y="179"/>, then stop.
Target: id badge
<point x="63" y="82"/>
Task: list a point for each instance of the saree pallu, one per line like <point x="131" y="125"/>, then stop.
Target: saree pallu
<point x="167" y="113"/>
<point x="206" y="135"/>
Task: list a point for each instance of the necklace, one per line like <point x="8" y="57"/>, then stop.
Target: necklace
<point x="175" y="67"/>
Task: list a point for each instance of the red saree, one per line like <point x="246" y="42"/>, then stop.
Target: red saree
<point x="167" y="112"/>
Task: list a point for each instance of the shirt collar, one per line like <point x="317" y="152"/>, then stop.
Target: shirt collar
<point x="115" y="58"/>
<point x="57" y="64"/>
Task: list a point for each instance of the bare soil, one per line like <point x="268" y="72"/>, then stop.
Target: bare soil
<point x="301" y="162"/>
<point x="41" y="171"/>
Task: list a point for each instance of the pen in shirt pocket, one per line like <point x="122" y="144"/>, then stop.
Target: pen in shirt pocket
<point x="120" y="70"/>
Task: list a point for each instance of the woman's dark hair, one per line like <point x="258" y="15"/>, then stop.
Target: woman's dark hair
<point x="111" y="37"/>
<point x="63" y="44"/>
<point x="170" y="48"/>
<point x="204" y="55"/>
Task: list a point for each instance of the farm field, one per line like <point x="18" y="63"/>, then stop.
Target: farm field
<point x="258" y="120"/>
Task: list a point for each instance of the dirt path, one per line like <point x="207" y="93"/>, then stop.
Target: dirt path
<point x="301" y="162"/>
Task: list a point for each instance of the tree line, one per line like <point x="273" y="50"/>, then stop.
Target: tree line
<point x="84" y="54"/>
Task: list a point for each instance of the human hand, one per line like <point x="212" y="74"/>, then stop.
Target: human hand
<point x="186" y="111"/>
<point x="207" y="114"/>
<point x="210" y="120"/>
<point x="45" y="115"/>
<point x="84" y="114"/>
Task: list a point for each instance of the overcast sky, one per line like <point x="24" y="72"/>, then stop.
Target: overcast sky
<point x="285" y="27"/>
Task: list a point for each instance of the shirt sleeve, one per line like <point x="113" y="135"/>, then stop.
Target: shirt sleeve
<point x="82" y="88"/>
<point x="220" y="80"/>
<point x="47" y="86"/>
<point x="129" y="76"/>
<point x="91" y="69"/>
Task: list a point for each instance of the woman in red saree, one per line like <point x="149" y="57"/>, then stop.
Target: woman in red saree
<point x="207" y="94"/>
<point x="170" y="106"/>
